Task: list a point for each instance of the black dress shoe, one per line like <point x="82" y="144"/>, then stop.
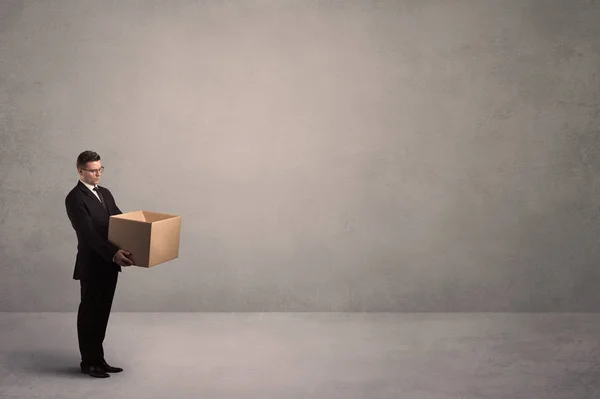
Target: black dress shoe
<point x="111" y="369"/>
<point x="95" y="371"/>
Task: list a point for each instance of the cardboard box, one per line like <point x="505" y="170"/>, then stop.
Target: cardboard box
<point x="151" y="237"/>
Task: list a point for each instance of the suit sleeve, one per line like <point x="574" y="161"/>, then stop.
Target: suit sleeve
<point x="119" y="212"/>
<point x="82" y="223"/>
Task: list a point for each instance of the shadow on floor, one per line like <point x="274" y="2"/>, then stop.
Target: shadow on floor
<point x="57" y="363"/>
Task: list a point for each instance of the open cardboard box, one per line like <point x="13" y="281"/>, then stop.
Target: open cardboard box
<point x="151" y="237"/>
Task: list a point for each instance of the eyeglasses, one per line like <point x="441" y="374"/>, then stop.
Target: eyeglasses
<point x="95" y="170"/>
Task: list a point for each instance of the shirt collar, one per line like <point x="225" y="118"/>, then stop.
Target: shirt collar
<point x="91" y="187"/>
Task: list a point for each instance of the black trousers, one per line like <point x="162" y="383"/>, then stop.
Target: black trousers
<point x="92" y="317"/>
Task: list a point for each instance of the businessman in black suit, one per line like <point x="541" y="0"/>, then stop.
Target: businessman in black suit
<point x="98" y="261"/>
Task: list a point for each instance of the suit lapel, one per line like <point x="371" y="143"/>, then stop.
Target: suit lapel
<point x="87" y="192"/>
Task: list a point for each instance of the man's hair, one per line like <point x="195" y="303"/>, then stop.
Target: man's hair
<point x="85" y="157"/>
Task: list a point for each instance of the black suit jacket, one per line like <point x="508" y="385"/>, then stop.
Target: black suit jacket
<point x="90" y="220"/>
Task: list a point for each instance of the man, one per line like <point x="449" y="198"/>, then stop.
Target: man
<point x="98" y="261"/>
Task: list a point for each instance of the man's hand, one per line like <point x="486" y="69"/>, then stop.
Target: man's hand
<point x="121" y="258"/>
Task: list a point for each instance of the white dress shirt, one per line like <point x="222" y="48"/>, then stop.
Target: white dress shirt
<point x="91" y="187"/>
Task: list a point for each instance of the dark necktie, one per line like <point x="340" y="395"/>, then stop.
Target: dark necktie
<point x="101" y="197"/>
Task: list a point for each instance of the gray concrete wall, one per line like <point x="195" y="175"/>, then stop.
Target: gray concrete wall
<point x="324" y="155"/>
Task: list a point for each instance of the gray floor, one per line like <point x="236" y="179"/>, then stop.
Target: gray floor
<point x="308" y="355"/>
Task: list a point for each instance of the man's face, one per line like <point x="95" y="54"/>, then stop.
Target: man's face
<point x="91" y="172"/>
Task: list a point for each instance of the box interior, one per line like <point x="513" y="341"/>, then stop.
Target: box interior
<point x="145" y="216"/>
<point x="155" y="216"/>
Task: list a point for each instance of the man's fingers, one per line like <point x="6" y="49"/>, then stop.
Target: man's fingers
<point x="125" y="261"/>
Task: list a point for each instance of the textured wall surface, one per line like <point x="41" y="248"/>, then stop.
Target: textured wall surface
<point x="324" y="156"/>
